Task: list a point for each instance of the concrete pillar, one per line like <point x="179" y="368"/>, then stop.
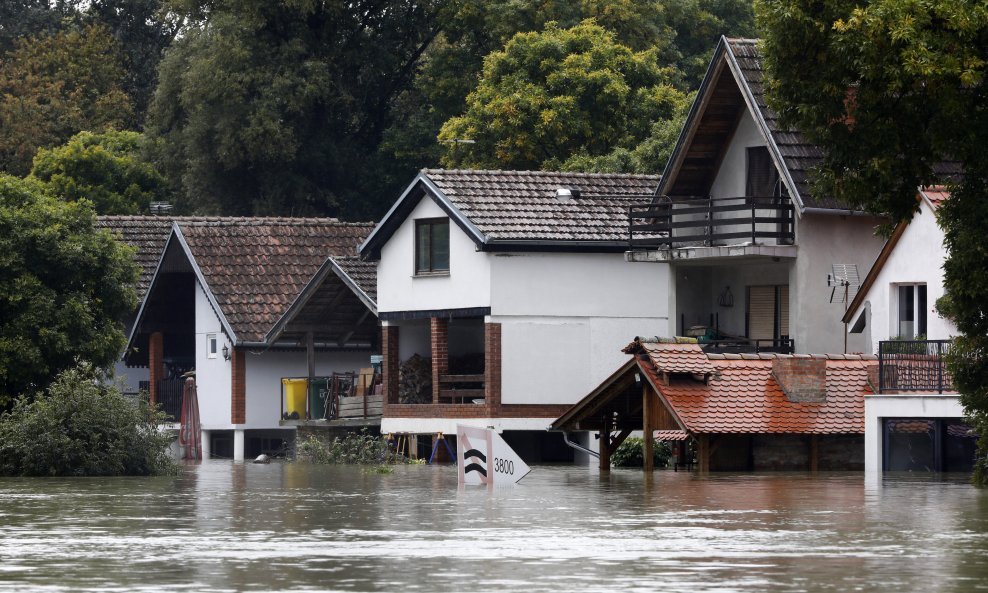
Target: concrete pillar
<point x="238" y="445"/>
<point x="206" y="445"/>
<point x="439" y="334"/>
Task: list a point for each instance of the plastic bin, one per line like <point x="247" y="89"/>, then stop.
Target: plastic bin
<point x="320" y="395"/>
<point x="295" y="393"/>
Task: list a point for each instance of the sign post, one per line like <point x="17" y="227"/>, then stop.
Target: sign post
<point x="483" y="458"/>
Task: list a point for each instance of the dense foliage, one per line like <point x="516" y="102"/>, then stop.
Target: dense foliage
<point x="895" y="92"/>
<point x="631" y="453"/>
<point x="558" y="93"/>
<point x="362" y="448"/>
<point x="63" y="287"/>
<point x="107" y="169"/>
<point x="81" y="426"/>
<point x="52" y="87"/>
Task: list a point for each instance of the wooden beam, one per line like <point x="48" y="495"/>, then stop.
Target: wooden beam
<point x="814" y="452"/>
<point x="310" y="359"/>
<point x="346" y="335"/>
<point x="617" y="440"/>
<point x="703" y="452"/>
<point x="648" y="436"/>
<point x="605" y="449"/>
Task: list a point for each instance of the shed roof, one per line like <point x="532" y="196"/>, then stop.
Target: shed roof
<point x="520" y="210"/>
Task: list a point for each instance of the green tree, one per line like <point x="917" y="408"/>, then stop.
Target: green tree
<point x="53" y="87"/>
<point x="558" y="93"/>
<point x="107" y="169"/>
<point x="82" y="426"/>
<point x="63" y="286"/>
<point x="895" y="92"/>
<point x="279" y="107"/>
<point x="29" y="18"/>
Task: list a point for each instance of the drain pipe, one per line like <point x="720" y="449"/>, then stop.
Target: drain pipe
<point x="578" y="447"/>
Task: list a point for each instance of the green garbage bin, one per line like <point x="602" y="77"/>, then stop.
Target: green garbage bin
<point x="320" y="397"/>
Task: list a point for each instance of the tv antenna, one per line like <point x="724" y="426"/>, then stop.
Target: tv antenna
<point x="844" y="277"/>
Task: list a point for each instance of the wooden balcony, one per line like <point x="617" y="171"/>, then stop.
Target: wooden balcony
<point x="913" y="365"/>
<point x="690" y="222"/>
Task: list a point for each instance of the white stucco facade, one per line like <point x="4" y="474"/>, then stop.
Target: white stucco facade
<point x="732" y="174"/>
<point x="213" y="377"/>
<point x="880" y="407"/>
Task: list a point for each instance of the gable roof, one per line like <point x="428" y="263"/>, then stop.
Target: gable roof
<point x="254" y="269"/>
<point x="741" y="397"/>
<point x="933" y="197"/>
<point x="146" y="234"/>
<point x="519" y="210"/>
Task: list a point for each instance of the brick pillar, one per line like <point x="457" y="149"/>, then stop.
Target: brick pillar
<point x="238" y="387"/>
<point x="492" y="366"/>
<point x="156" y="365"/>
<point x="389" y="352"/>
<point x="439" y="338"/>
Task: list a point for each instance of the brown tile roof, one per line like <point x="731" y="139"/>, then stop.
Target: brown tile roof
<point x="256" y="267"/>
<point x="363" y="273"/>
<point x="936" y="195"/>
<point x="148" y="235"/>
<point x="671" y="357"/>
<point x="743" y="397"/>
<point x="670" y="435"/>
<point x="522" y="205"/>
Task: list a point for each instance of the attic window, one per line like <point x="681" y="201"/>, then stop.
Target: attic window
<point x="763" y="178"/>
<point x="432" y="246"/>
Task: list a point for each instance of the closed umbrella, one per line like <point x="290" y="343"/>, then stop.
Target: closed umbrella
<point x="190" y="432"/>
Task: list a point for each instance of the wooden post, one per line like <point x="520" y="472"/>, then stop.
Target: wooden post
<point x="310" y="358"/>
<point x="648" y="436"/>
<point x="814" y="452"/>
<point x="605" y="446"/>
<point x="703" y="445"/>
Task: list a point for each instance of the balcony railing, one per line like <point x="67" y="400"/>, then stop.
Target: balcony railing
<point x="169" y="396"/>
<point x="913" y="365"/>
<point x="748" y="346"/>
<point x="711" y="221"/>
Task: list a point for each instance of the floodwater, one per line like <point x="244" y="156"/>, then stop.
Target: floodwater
<point x="278" y="527"/>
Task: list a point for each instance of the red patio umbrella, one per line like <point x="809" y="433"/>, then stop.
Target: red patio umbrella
<point x="190" y="432"/>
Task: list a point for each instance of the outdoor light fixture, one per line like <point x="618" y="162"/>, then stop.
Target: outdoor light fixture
<point x="226" y="352"/>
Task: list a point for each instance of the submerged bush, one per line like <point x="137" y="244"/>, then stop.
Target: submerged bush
<point x="82" y="427"/>
<point x="361" y="448"/>
<point x="631" y="453"/>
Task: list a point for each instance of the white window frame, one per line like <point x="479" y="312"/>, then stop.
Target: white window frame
<point x="212" y="345"/>
<point x="895" y="324"/>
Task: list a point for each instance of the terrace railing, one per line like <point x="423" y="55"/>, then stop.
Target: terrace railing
<point x="913" y="365"/>
<point x="169" y="396"/>
<point x="711" y="221"/>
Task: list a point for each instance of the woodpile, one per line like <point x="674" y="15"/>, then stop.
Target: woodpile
<point x="415" y="381"/>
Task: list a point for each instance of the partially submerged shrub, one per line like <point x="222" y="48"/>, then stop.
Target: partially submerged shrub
<point x="631" y="453"/>
<point x="360" y="448"/>
<point x="82" y="427"/>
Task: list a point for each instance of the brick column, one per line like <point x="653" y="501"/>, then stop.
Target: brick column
<point x="439" y="338"/>
<point x="156" y="366"/>
<point x="238" y="387"/>
<point x="389" y="352"/>
<point x="492" y="366"/>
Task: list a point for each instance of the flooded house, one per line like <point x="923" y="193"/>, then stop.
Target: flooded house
<point x="750" y="245"/>
<point x="497" y="295"/>
<point x="914" y="421"/>
<point x="246" y="304"/>
<point x="739" y="412"/>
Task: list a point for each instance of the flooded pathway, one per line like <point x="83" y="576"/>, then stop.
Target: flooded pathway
<point x="231" y="527"/>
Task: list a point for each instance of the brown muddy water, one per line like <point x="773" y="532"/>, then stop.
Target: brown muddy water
<point x="222" y="526"/>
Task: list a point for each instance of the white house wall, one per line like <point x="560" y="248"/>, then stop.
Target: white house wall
<point x="916" y="259"/>
<point x="398" y="289"/>
<point x="265" y="369"/>
<point x="731" y="177"/>
<point x="879" y="407"/>
<point x="565" y="317"/>
<point x="826" y="239"/>
<point x="213" y="380"/>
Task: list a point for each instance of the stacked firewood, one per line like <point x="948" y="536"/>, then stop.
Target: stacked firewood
<point x="415" y="381"/>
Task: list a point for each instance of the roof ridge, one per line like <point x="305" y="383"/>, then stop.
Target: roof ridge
<point x="533" y="173"/>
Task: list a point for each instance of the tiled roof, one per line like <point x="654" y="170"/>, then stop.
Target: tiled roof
<point x="669" y="357"/>
<point x="522" y="205"/>
<point x="743" y="397"/>
<point x="670" y="435"/>
<point x="363" y="273"/>
<point x="936" y="195"/>
<point x="148" y="235"/>
<point x="799" y="155"/>
<point x="256" y="267"/>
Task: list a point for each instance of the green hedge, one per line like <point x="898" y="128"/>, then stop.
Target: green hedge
<point x="631" y="454"/>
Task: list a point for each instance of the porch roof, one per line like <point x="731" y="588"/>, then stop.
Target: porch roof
<point x="741" y="396"/>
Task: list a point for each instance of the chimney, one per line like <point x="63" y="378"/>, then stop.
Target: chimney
<point x="803" y="380"/>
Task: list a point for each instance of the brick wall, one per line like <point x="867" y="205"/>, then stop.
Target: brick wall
<point x="238" y="387"/>
<point x="156" y="367"/>
<point x="439" y="340"/>
<point x="492" y="364"/>
<point x="803" y="379"/>
<point x="389" y="352"/>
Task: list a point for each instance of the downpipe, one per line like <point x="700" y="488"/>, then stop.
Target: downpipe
<point x="579" y="447"/>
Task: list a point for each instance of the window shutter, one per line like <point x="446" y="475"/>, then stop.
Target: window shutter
<point x="784" y="310"/>
<point x="761" y="312"/>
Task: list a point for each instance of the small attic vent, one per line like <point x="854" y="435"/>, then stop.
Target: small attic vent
<point x="567" y="193"/>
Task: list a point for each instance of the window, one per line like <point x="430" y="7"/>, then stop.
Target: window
<point x="762" y="180"/>
<point x="768" y="312"/>
<point x="432" y="246"/>
<point x="211" y="343"/>
<point x="909" y="321"/>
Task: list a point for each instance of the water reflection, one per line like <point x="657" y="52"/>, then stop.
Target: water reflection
<point x="224" y="526"/>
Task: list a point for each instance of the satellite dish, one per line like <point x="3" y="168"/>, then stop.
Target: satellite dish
<point x="845" y="277"/>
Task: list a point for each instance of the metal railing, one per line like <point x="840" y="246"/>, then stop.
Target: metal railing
<point x="913" y="365"/>
<point x="748" y="346"/>
<point x="666" y="223"/>
<point x="169" y="396"/>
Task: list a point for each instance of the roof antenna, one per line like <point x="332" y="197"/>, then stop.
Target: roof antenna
<point x="845" y="277"/>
